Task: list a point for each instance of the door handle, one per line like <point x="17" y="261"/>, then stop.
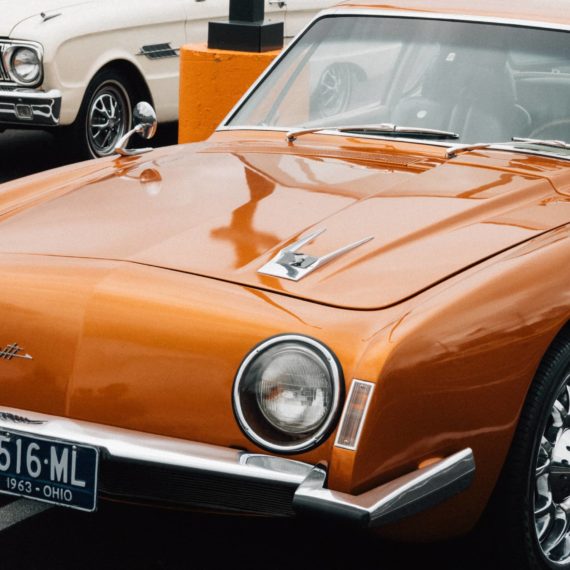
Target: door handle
<point x="278" y="3"/>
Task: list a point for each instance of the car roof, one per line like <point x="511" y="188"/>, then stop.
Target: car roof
<point x="546" y="11"/>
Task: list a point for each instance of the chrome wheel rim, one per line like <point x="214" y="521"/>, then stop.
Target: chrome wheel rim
<point x="334" y="89"/>
<point x="108" y="118"/>
<point x="551" y="503"/>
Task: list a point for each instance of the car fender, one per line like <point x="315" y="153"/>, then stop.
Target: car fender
<point x="452" y="372"/>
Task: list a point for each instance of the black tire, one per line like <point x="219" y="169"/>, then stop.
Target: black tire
<point x="108" y="101"/>
<point x="531" y="478"/>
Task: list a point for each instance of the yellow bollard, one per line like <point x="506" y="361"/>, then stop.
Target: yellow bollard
<point x="211" y="83"/>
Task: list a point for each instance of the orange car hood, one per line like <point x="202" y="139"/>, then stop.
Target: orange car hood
<point x="223" y="210"/>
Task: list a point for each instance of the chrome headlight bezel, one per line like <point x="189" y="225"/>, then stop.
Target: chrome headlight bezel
<point x="10" y="51"/>
<point x="313" y="439"/>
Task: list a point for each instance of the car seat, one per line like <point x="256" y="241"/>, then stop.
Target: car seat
<point x="469" y="92"/>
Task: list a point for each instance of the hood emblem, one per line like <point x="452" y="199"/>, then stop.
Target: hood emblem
<point x="12" y="351"/>
<point x="46" y="17"/>
<point x="291" y="264"/>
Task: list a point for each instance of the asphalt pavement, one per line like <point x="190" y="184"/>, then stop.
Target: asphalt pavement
<point x="123" y="537"/>
<point x="28" y="152"/>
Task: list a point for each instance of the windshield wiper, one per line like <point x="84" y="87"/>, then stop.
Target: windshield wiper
<point x="453" y="151"/>
<point x="381" y="129"/>
<point x="543" y="142"/>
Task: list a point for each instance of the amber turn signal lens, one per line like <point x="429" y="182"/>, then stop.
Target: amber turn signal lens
<point x="354" y="414"/>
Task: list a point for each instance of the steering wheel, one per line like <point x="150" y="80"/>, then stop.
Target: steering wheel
<point x="560" y="128"/>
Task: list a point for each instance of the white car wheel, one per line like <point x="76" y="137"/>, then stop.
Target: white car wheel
<point x="105" y="115"/>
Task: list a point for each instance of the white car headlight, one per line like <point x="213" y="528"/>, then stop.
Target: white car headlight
<point x="24" y="64"/>
<point x="287" y="393"/>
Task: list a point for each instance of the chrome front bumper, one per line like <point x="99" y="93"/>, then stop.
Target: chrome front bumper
<point x="140" y="466"/>
<point x="30" y="107"/>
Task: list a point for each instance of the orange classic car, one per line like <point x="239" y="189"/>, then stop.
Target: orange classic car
<point x="352" y="301"/>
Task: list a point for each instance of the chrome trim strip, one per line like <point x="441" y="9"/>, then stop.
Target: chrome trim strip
<point x="393" y="501"/>
<point x="335" y="133"/>
<point x="390" y="502"/>
<point x="30" y="93"/>
<point x="426" y="15"/>
<point x="158" y="51"/>
<point x="502" y="147"/>
<point x="44" y="107"/>
<point x="362" y="419"/>
<point x="336" y="378"/>
<point x="12" y="351"/>
<point x="126" y="444"/>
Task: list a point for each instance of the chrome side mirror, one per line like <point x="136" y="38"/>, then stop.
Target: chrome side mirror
<point x="144" y="118"/>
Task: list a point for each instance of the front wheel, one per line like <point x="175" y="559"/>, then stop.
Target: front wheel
<point x="105" y="116"/>
<point x="533" y="500"/>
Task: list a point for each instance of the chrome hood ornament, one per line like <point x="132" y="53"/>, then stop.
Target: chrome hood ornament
<point x="12" y="351"/>
<point x="291" y="264"/>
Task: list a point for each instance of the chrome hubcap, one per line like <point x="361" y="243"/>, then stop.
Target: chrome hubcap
<point x="552" y="482"/>
<point x="107" y="119"/>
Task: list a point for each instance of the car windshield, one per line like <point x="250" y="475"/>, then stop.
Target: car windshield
<point x="485" y="82"/>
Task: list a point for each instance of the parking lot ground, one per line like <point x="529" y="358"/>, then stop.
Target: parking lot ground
<point x="122" y="537"/>
<point x="28" y="152"/>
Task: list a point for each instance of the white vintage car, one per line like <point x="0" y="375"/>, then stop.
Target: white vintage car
<point x="80" y="65"/>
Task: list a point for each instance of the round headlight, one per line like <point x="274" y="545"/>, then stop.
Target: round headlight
<point x="25" y="65"/>
<point x="287" y="393"/>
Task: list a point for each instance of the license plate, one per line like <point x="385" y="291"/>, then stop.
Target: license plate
<point x="48" y="470"/>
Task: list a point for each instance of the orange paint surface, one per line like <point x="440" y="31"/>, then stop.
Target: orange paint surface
<point x="452" y="362"/>
<point x="211" y="83"/>
<point x="148" y="266"/>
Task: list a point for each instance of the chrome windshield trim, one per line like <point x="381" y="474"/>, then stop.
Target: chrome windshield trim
<point x="448" y="16"/>
<point x="502" y="147"/>
<point x="333" y="132"/>
<point x="517" y="150"/>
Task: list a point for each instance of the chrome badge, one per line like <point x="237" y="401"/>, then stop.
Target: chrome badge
<point x="12" y="351"/>
<point x="291" y="264"/>
<point x="14" y="418"/>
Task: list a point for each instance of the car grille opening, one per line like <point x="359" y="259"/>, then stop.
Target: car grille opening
<point x="171" y="486"/>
